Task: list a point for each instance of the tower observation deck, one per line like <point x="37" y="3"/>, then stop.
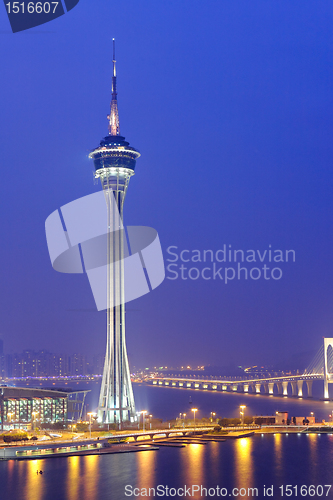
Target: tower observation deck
<point x="114" y="162"/>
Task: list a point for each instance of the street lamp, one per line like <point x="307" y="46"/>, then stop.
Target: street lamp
<point x="34" y="413"/>
<point x="212" y="414"/>
<point x="150" y="417"/>
<point x="184" y="415"/>
<point x="242" y="408"/>
<point x="143" y="420"/>
<point x="194" y="411"/>
<point x="90" y="414"/>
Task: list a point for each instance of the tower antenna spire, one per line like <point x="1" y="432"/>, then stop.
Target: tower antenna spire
<point x="114" y="57"/>
<point x="113" y="117"/>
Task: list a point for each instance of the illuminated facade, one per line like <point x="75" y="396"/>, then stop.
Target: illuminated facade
<point x="114" y="162"/>
<point x="20" y="405"/>
<point x="25" y="405"/>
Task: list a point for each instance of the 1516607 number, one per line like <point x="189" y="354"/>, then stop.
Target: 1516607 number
<point x="32" y="7"/>
<point x="305" y="491"/>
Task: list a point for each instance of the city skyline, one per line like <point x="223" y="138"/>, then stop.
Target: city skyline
<point x="43" y="363"/>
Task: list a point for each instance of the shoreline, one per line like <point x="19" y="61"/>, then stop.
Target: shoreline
<point x="99" y="447"/>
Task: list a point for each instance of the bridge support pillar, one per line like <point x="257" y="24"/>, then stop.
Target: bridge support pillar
<point x="246" y="387"/>
<point x="309" y="386"/>
<point x="279" y="388"/>
<point x="258" y="388"/>
<point x="300" y="388"/>
<point x="327" y="375"/>
<point x="293" y="388"/>
<point x="270" y="387"/>
<point x="326" y="393"/>
<point x="285" y="387"/>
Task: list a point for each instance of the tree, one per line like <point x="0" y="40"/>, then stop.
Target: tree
<point x="14" y="437"/>
<point x="226" y="422"/>
<point x="82" y="427"/>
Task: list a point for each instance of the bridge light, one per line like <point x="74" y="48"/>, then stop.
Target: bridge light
<point x="242" y="408"/>
<point x="143" y="419"/>
<point x="194" y="412"/>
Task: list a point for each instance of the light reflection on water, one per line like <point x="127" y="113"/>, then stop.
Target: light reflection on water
<point x="91" y="472"/>
<point x="73" y="478"/>
<point x="240" y="463"/>
<point x="146" y="469"/>
<point x="313" y="456"/>
<point x="214" y="460"/>
<point x="278" y="457"/>
<point x="34" y="482"/>
<point x="82" y="477"/>
<point x="192" y="464"/>
<point x="243" y="463"/>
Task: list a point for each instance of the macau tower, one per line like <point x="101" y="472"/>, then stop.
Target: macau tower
<point x="114" y="162"/>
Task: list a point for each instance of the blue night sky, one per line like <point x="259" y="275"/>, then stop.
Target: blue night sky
<point x="231" y="106"/>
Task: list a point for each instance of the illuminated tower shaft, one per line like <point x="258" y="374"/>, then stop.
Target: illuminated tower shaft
<point x="114" y="162"/>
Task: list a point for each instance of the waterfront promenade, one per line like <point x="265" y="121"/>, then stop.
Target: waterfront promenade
<point x="125" y="442"/>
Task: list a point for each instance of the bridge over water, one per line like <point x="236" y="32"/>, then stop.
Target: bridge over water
<point x="321" y="368"/>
